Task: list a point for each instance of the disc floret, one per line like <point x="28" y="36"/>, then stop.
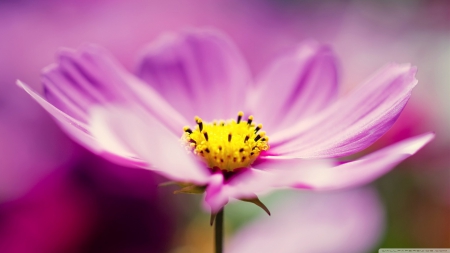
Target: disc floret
<point x="227" y="145"/>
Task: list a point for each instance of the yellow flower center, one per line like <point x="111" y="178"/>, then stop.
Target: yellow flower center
<point x="226" y="145"/>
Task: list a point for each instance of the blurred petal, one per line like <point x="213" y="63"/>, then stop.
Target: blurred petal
<point x="214" y="189"/>
<point x="199" y="72"/>
<point x="119" y="129"/>
<point x="76" y="129"/>
<point x="353" y="123"/>
<point x="353" y="173"/>
<point x="79" y="131"/>
<point x="297" y="85"/>
<point x="90" y="76"/>
<point x="350" y="222"/>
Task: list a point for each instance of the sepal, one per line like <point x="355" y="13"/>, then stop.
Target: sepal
<point x="255" y="200"/>
<point x="191" y="189"/>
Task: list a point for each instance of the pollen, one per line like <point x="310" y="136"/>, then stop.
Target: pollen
<point x="226" y="145"/>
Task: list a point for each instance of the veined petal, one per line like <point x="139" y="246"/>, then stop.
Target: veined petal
<point x="80" y="131"/>
<point x="90" y="76"/>
<point x="199" y="72"/>
<point x="123" y="129"/>
<point x="354" y="122"/>
<point x="308" y="222"/>
<point x="295" y="86"/>
<point x="349" y="174"/>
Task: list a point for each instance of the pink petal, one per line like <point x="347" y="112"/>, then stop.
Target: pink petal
<point x="349" y="221"/>
<point x="260" y="181"/>
<point x="297" y="85"/>
<point x="277" y="172"/>
<point x="90" y="76"/>
<point x="199" y="72"/>
<point x="350" y="174"/>
<point x="79" y="131"/>
<point x="124" y="129"/>
<point x="215" y="186"/>
<point x="353" y="123"/>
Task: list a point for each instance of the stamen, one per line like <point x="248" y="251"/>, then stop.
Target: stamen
<point x="250" y="119"/>
<point x="240" y="114"/>
<point x="258" y="128"/>
<point x="187" y="130"/>
<point x="226" y="145"/>
<point x="199" y="123"/>
<point x="260" y="135"/>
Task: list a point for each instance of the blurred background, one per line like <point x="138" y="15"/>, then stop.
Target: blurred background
<point x="55" y="196"/>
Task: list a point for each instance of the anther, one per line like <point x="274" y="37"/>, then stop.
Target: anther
<point x="258" y="128"/>
<point x="229" y="137"/>
<point x="187" y="130"/>
<point x="240" y="114"/>
<point x="246" y="138"/>
<point x="206" y="135"/>
<point x="257" y="137"/>
<point x="241" y="150"/>
<point x="199" y="123"/>
<point x="207" y="150"/>
<point x="250" y="120"/>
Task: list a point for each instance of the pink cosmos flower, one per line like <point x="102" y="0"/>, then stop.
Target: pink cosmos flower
<point x="139" y="120"/>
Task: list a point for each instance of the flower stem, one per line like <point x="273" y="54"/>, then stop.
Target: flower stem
<point x="218" y="235"/>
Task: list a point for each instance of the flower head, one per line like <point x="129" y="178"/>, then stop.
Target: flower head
<point x="138" y="120"/>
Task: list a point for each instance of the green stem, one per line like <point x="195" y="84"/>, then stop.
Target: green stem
<point x="218" y="235"/>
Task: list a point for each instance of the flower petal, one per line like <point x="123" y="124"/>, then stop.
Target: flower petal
<point x="260" y="181"/>
<point x="278" y="172"/>
<point x="199" y="72"/>
<point x="119" y="129"/>
<point x="316" y="222"/>
<point x="79" y="131"/>
<point x="214" y="189"/>
<point x="353" y="173"/>
<point x="353" y="123"/>
<point x="295" y="86"/>
<point x="90" y="76"/>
